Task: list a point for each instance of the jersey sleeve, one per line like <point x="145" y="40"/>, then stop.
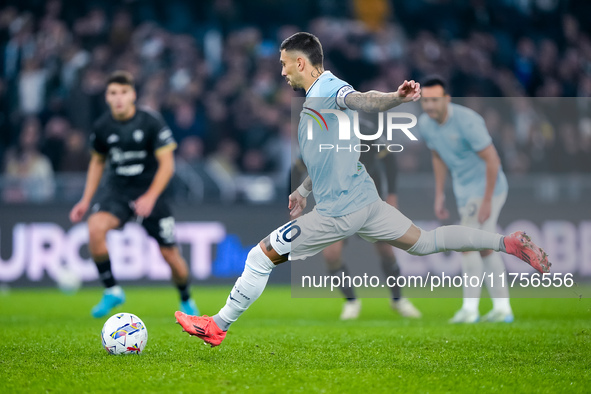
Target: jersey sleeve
<point x="343" y="92"/>
<point x="97" y="142"/>
<point x="162" y="138"/>
<point x="476" y="133"/>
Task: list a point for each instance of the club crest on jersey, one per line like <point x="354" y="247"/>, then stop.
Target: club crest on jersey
<point x="165" y="133"/>
<point x="112" y="139"/>
<point x="138" y="135"/>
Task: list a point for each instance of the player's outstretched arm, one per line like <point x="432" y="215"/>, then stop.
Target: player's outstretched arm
<point x="93" y="178"/>
<point x="375" y="101"/>
<point x="297" y="199"/>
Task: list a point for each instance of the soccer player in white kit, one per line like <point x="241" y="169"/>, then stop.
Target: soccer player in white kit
<point x="459" y="141"/>
<point x="347" y="200"/>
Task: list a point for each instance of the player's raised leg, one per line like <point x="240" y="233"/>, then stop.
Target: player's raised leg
<point x="463" y="239"/>
<point x="98" y="225"/>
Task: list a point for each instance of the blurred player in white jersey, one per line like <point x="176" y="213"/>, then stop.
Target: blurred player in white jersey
<point x="347" y="200"/>
<point x="459" y="141"/>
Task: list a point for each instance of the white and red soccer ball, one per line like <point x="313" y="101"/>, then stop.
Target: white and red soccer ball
<point x="124" y="333"/>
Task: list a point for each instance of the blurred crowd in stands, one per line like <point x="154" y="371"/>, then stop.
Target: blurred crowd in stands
<point x="211" y="68"/>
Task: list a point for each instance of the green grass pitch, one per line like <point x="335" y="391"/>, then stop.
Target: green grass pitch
<point x="49" y="343"/>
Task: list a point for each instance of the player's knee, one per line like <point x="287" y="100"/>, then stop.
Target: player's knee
<point x="178" y="265"/>
<point x="267" y="249"/>
<point x="99" y="225"/>
<point x="97" y="232"/>
<point x="332" y="256"/>
<point x="385" y="250"/>
<point x="426" y="244"/>
<point x="259" y="261"/>
<point x="169" y="253"/>
<point x="484" y="253"/>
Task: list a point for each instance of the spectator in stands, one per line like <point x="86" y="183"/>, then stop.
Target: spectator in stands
<point x="215" y="74"/>
<point x="77" y="155"/>
<point x="31" y="87"/>
<point x="186" y="121"/>
<point x="57" y="131"/>
<point x="191" y="168"/>
<point x="29" y="173"/>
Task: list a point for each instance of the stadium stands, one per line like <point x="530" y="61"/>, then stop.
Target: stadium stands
<point x="212" y="70"/>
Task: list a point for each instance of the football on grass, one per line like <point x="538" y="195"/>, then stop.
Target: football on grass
<point x="124" y="333"/>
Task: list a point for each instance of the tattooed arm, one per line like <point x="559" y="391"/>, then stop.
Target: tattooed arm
<point x="374" y="101"/>
<point x="307" y="184"/>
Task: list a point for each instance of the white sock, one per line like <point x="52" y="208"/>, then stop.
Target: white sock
<point x="471" y="266"/>
<point x="247" y="288"/>
<point x="456" y="238"/>
<point x="115" y="290"/>
<point x="493" y="263"/>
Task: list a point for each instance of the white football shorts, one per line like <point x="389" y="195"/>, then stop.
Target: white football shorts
<point x="312" y="232"/>
<point x="469" y="213"/>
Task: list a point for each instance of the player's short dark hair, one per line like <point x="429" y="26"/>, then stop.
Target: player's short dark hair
<point x="122" y="78"/>
<point x="435" y="80"/>
<point x="308" y="44"/>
